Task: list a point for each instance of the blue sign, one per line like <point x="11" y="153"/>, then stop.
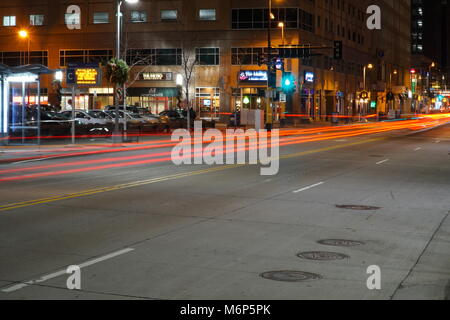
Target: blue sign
<point x="309" y="76"/>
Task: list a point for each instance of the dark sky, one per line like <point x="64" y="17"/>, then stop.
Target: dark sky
<point x="436" y="31"/>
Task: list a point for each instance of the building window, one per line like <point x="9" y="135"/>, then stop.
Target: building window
<point x="169" y="15"/>
<point x="138" y="16"/>
<point x="101" y="17"/>
<point x="37" y="20"/>
<point x="154" y="57"/>
<point x="14" y="59"/>
<point x="72" y="19"/>
<point x="67" y="57"/>
<point x="207" y="56"/>
<point x="246" y="56"/>
<point x="257" y="18"/>
<point x="9" y="21"/>
<point x="307" y="21"/>
<point x="207" y="14"/>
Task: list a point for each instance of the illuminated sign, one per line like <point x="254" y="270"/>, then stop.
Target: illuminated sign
<point x="157" y="76"/>
<point x="86" y="76"/>
<point x="253" y="76"/>
<point x="309" y="76"/>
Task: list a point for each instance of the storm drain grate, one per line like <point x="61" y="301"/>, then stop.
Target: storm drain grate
<point x="340" y="243"/>
<point x="322" y="256"/>
<point x="290" y="276"/>
<point x="357" y="207"/>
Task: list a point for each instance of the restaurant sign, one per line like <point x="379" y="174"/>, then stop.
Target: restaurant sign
<point x="156" y="76"/>
<point x="253" y="76"/>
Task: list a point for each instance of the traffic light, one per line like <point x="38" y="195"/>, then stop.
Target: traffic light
<point x="338" y="50"/>
<point x="288" y="83"/>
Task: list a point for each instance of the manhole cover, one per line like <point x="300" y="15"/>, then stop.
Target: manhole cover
<point x="357" y="207"/>
<point x="322" y="256"/>
<point x="290" y="276"/>
<point x="340" y="243"/>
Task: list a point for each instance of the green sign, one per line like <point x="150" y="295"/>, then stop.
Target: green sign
<point x="373" y="104"/>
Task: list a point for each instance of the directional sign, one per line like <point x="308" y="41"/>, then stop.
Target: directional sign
<point x="294" y="52"/>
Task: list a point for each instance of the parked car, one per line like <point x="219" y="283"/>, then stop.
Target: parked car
<point x="174" y="118"/>
<point x="88" y="124"/>
<point x="52" y="124"/>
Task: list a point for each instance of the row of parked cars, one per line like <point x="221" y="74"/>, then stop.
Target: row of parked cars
<point x="137" y="120"/>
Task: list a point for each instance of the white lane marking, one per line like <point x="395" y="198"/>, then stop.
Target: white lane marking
<point x="307" y="188"/>
<point x="438" y="141"/>
<point x="33" y="160"/>
<point x="417" y="149"/>
<point x="383" y="161"/>
<point x="63" y="272"/>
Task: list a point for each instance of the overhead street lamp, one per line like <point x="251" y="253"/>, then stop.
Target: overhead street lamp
<point x="118" y="37"/>
<point x="281" y="25"/>
<point x="369" y="66"/>
<point x="25" y="35"/>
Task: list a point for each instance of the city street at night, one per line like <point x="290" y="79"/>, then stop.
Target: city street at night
<point x="154" y="230"/>
<point x="224" y="159"/>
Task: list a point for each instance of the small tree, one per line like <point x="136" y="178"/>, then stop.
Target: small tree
<point x="117" y="73"/>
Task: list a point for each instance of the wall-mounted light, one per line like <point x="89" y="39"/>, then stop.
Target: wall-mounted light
<point x="59" y="75"/>
<point x="179" y="80"/>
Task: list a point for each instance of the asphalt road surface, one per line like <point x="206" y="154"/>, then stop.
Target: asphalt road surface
<point x="153" y="230"/>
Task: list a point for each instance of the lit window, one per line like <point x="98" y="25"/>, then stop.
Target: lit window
<point x="207" y="14"/>
<point x="36" y="20"/>
<point x="101" y="17"/>
<point x="9" y="21"/>
<point x="169" y="15"/>
<point x="138" y="16"/>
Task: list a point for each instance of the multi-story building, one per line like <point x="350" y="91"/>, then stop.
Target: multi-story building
<point x="162" y="39"/>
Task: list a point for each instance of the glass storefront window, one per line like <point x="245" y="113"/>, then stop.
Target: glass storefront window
<point x="207" y="102"/>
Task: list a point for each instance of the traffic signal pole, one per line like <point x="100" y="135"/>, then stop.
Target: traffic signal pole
<point x="269" y="74"/>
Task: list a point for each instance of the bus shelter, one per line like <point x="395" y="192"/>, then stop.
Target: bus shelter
<point x="20" y="104"/>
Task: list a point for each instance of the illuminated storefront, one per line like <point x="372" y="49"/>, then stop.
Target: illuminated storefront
<point x="251" y="93"/>
<point x="207" y="101"/>
<point x="155" y="99"/>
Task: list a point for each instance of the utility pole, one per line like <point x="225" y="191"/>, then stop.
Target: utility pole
<point x="269" y="61"/>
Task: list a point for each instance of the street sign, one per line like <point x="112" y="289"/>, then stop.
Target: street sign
<point x="294" y="53"/>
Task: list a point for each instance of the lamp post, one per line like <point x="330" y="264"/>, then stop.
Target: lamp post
<point x="269" y="66"/>
<point x="369" y="66"/>
<point x="281" y="25"/>
<point x="25" y="35"/>
<point x="432" y="65"/>
<point x="118" y="37"/>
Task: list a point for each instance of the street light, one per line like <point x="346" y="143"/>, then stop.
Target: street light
<point x="118" y="17"/>
<point x="369" y="66"/>
<point x="25" y="35"/>
<point x="281" y="25"/>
